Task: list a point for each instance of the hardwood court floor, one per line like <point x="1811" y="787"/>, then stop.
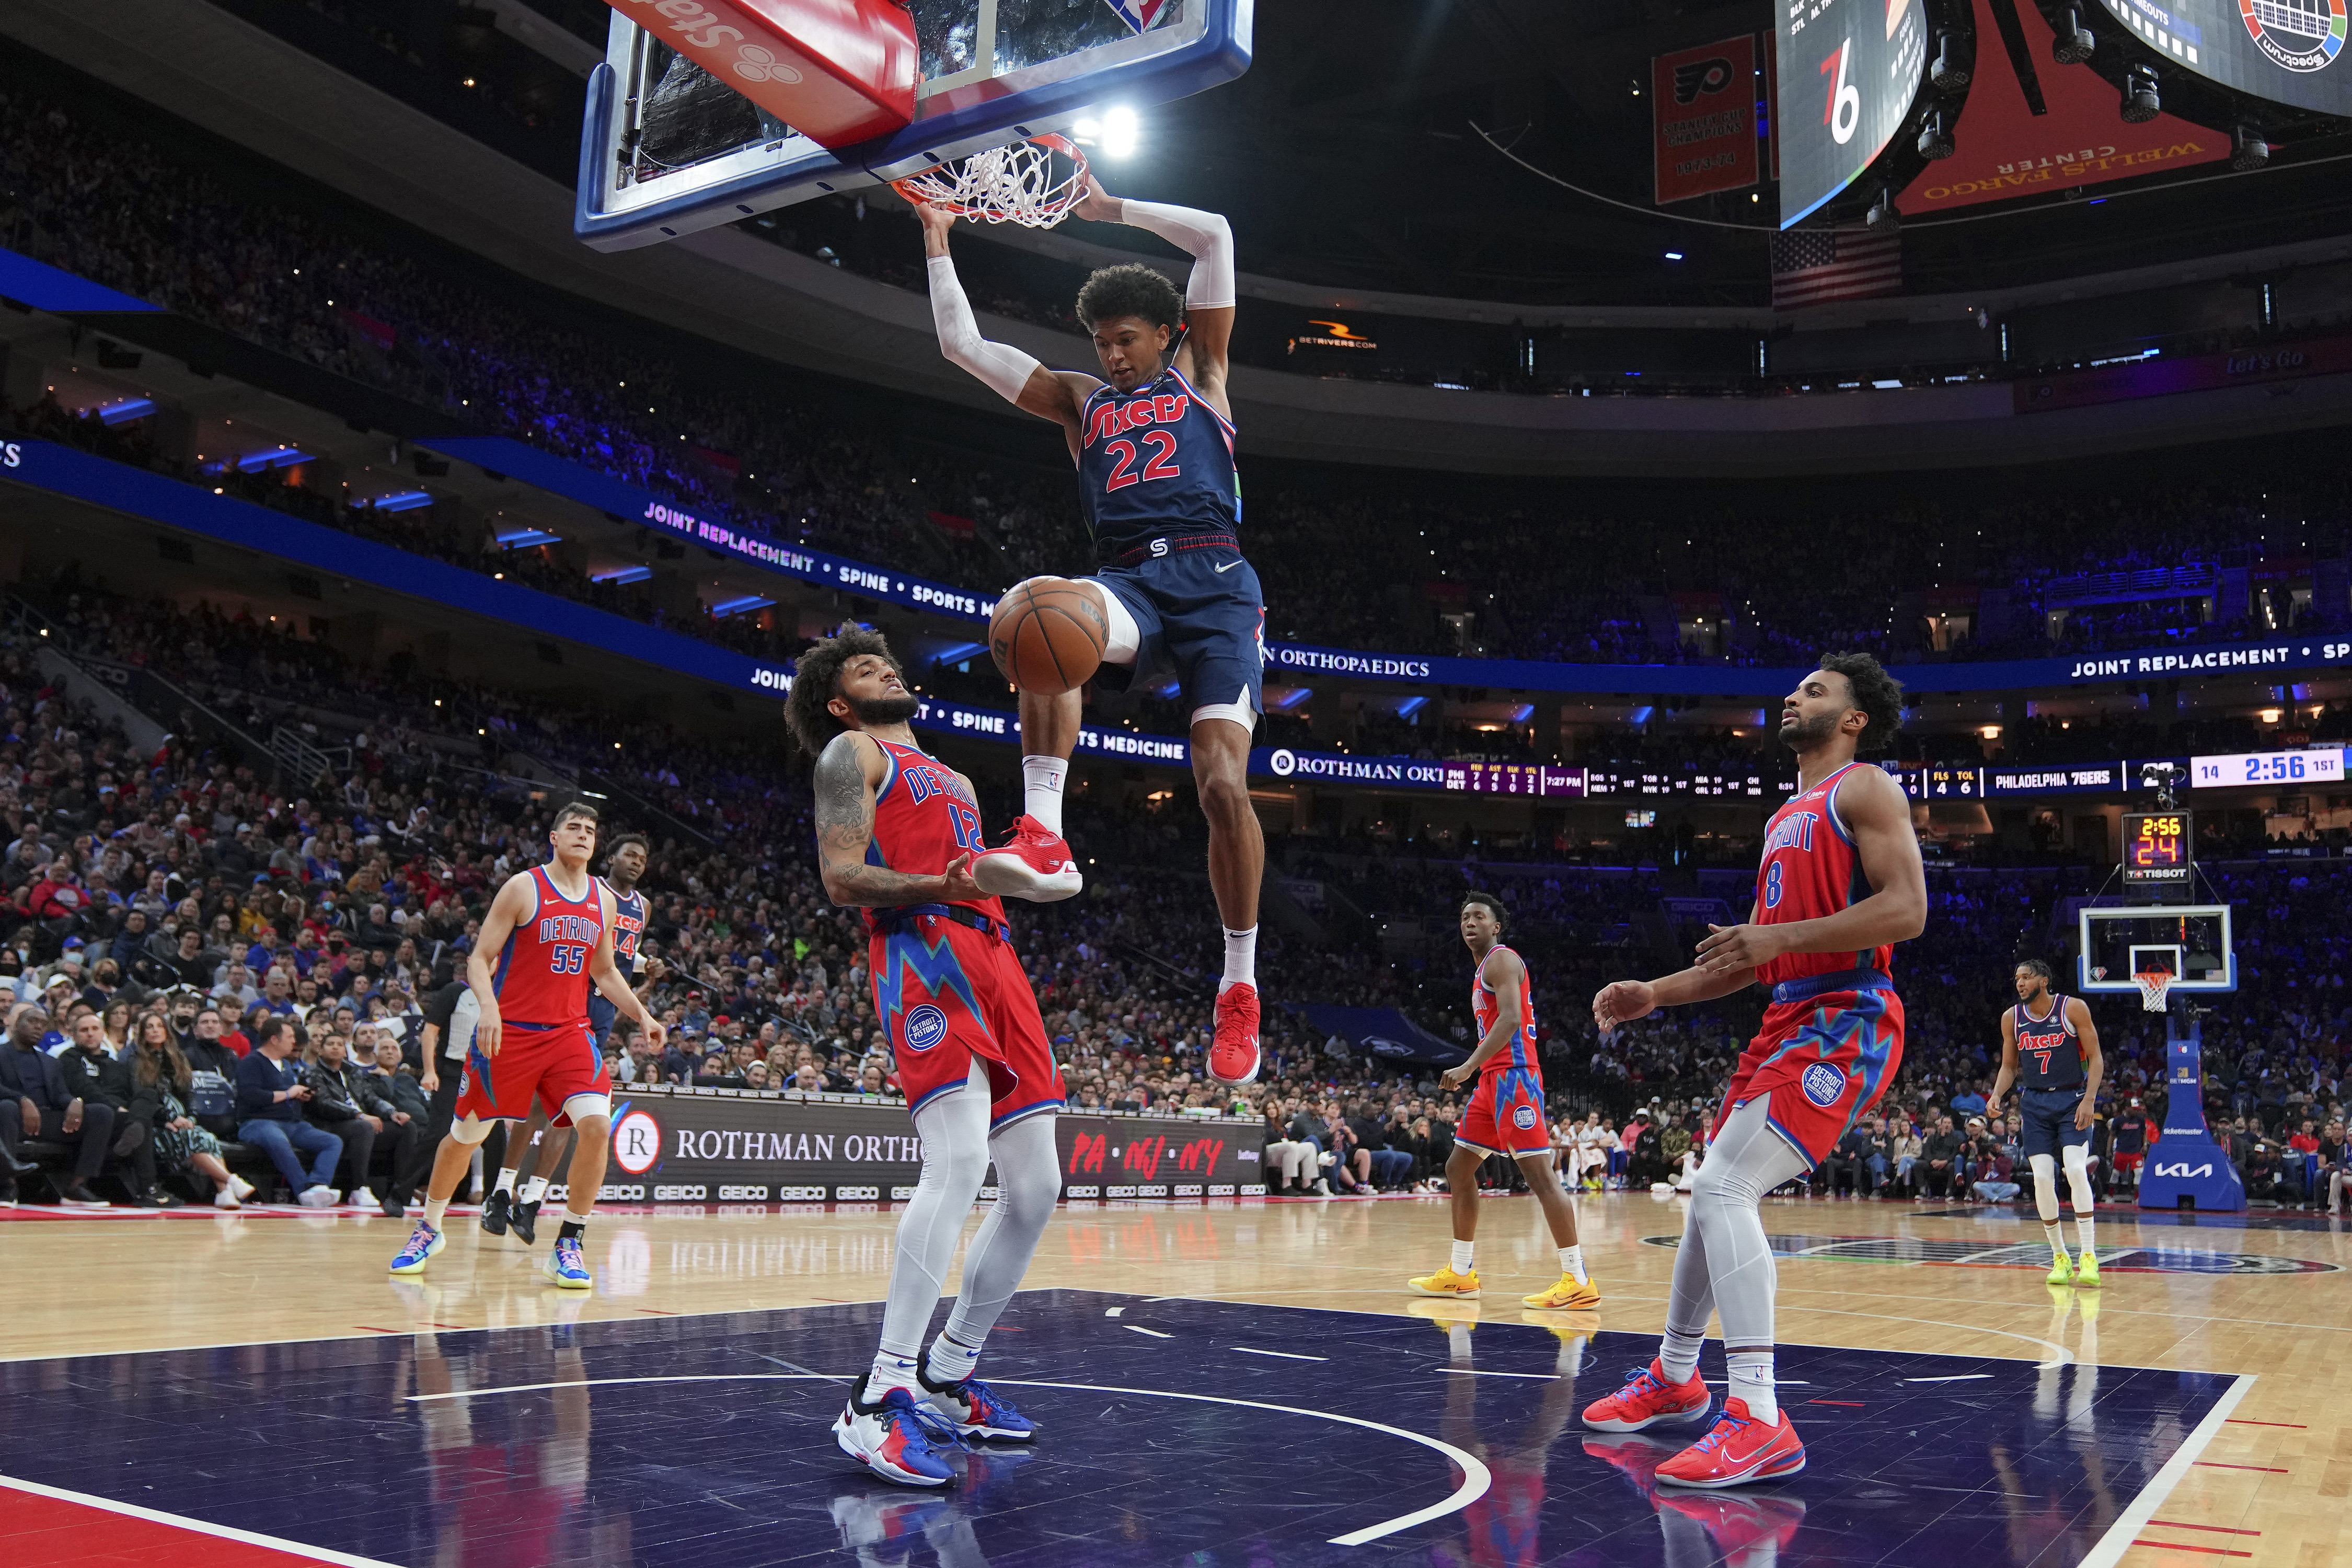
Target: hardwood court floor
<point x="2268" y="1486"/>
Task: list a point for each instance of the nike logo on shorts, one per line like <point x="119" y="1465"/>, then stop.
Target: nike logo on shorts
<point x="1226" y="567"/>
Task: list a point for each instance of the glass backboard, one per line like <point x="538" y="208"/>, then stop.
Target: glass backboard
<point x="2189" y="942"/>
<point x="668" y="149"/>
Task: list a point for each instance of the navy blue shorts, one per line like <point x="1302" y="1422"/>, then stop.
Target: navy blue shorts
<point x="2048" y="1117"/>
<point x="601" y="1014"/>
<point x="1199" y="610"/>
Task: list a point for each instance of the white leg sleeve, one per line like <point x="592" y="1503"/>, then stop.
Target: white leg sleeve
<point x="2078" y="1177"/>
<point x="2045" y="1188"/>
<point x="1028" y="1183"/>
<point x="1745" y="1163"/>
<point x="955" y="1130"/>
<point x="1125" y="639"/>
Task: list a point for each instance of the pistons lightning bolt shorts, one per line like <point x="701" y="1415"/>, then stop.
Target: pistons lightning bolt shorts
<point x="1825" y="1060"/>
<point x="950" y="995"/>
<point x="1506" y="1115"/>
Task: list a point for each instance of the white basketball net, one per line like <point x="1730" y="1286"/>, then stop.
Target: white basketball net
<point x="1033" y="184"/>
<point x="2153" y="983"/>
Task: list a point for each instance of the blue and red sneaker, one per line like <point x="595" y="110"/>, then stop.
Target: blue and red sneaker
<point x="901" y="1439"/>
<point x="979" y="1411"/>
<point x="1648" y="1399"/>
<point x="1738" y="1449"/>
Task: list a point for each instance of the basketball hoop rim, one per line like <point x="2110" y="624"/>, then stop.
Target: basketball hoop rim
<point x="2155" y="985"/>
<point x="923" y="188"/>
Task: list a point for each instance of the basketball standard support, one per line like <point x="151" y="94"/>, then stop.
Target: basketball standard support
<point x="2186" y="1163"/>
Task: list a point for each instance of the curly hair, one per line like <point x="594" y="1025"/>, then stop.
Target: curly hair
<point x="1490" y="902"/>
<point x="623" y="841"/>
<point x="1132" y="290"/>
<point x="1878" y="694"/>
<point x="817" y="681"/>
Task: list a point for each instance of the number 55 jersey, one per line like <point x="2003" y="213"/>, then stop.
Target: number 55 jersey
<point x="546" y="1048"/>
<point x="948" y="986"/>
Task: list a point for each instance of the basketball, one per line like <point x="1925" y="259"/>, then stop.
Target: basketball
<point x="1047" y="635"/>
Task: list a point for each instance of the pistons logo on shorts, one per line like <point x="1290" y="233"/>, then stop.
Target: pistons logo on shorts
<point x="1523" y="1118"/>
<point x="925" y="1026"/>
<point x="1822" y="1084"/>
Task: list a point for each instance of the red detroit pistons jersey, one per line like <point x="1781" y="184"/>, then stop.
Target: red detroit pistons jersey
<point x="1521" y="1051"/>
<point x="923" y="818"/>
<point x="1154" y="462"/>
<point x="541" y="980"/>
<point x="1811" y="870"/>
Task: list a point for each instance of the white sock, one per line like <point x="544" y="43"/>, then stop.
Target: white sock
<point x="950" y="1362"/>
<point x="2083" y="1227"/>
<point x="1571" y="1360"/>
<point x="1462" y="1255"/>
<point x="1457" y="1344"/>
<point x="1678" y="1354"/>
<point x="2057" y="1240"/>
<point x="434" y="1210"/>
<point x="1241" y="957"/>
<point x="506" y="1183"/>
<point x="1041" y="789"/>
<point x="1751" y="1382"/>
<point x="891" y="1371"/>
<point x="1571" y="1261"/>
<point x="534" y="1190"/>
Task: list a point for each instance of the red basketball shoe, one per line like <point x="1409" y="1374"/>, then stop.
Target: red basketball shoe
<point x="1033" y="864"/>
<point x="1233" y="1058"/>
<point x="1648" y="1399"/>
<point x="1739" y="1449"/>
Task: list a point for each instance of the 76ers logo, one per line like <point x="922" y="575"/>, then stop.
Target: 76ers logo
<point x="926" y="1027"/>
<point x="1822" y="1084"/>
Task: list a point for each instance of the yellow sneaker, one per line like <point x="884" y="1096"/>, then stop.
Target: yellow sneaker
<point x="2061" y="1269"/>
<point x="2086" y="1268"/>
<point x="1565" y="1296"/>
<point x="1446" y="1282"/>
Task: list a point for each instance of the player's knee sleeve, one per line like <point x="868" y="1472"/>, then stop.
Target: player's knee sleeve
<point x="589" y="1113"/>
<point x="1123" y="640"/>
<point x="471" y="1131"/>
<point x="2078" y="1159"/>
<point x="1028" y="1169"/>
<point x="1240" y="710"/>
<point x="2045" y="1186"/>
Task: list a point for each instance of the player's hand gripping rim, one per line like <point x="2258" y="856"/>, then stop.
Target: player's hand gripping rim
<point x="1622" y="1002"/>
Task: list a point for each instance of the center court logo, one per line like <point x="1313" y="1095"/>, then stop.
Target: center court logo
<point x="1822" y="1084"/>
<point x="926" y="1027"/>
<point x="637" y="1142"/>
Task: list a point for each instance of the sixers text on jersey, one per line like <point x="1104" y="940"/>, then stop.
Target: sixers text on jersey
<point x="1156" y="464"/>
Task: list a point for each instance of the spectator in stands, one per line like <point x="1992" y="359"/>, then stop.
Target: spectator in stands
<point x="270" y="1094"/>
<point x="1308" y="1127"/>
<point x="35" y="1103"/>
<point x="1939" y="1160"/>
<point x="163" y="1081"/>
<point x="345" y="1101"/>
<point x="96" y="1076"/>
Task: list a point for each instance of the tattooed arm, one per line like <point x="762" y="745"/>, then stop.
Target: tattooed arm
<point x="847" y="773"/>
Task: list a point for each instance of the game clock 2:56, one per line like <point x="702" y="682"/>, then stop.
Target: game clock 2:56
<point x="2266" y="768"/>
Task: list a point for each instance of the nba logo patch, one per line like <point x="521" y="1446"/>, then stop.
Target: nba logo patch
<point x="1523" y="1118"/>
<point x="926" y="1027"/>
<point x="1822" y="1084"/>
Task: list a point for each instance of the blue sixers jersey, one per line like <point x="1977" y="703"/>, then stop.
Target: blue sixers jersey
<point x="628" y="929"/>
<point x="1156" y="462"/>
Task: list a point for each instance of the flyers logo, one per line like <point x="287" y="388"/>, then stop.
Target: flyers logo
<point x="1693" y="77"/>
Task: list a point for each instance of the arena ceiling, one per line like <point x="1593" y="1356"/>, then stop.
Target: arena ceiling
<point x="1347" y="158"/>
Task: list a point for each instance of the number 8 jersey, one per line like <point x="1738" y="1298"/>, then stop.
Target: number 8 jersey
<point x="541" y="977"/>
<point x="924" y="817"/>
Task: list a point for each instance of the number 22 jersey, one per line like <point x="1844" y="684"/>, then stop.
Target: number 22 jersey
<point x="1157" y="462"/>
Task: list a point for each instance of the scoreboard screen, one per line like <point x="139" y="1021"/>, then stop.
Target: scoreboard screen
<point x="2158" y="849"/>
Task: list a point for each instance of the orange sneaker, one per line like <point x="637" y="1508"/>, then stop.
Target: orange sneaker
<point x="1648" y="1399"/>
<point x="1738" y="1449"/>
<point x="1033" y="864"/>
<point x="1233" y="1056"/>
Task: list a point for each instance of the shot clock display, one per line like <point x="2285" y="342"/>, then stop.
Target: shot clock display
<point x="2159" y="846"/>
<point x="2267" y="768"/>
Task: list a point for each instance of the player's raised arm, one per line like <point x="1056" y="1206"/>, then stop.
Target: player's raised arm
<point x="509" y="910"/>
<point x="1014" y="376"/>
<point x="1874" y="810"/>
<point x="848" y="771"/>
<point x="1209" y="293"/>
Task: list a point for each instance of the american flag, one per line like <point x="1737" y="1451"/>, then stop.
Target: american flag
<point x="1812" y="266"/>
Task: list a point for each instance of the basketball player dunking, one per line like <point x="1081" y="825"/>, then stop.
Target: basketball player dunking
<point x="551" y="930"/>
<point x="2050" y="1050"/>
<point x="896" y="834"/>
<point x="1153" y="437"/>
<point x="1506" y="1116"/>
<point x="507" y="1208"/>
<point x="1839" y="884"/>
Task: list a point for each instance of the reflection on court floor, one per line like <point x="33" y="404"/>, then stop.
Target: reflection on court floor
<point x="1173" y="1430"/>
<point x="2032" y="1255"/>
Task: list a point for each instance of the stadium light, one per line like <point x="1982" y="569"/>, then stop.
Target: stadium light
<point x="1883" y="218"/>
<point x="1950" y="73"/>
<point x="621" y="574"/>
<point x="2248" y="150"/>
<point x="1121" y="130"/>
<point x="2141" y="102"/>
<point x="2074" y="43"/>
<point x="1935" y="136"/>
